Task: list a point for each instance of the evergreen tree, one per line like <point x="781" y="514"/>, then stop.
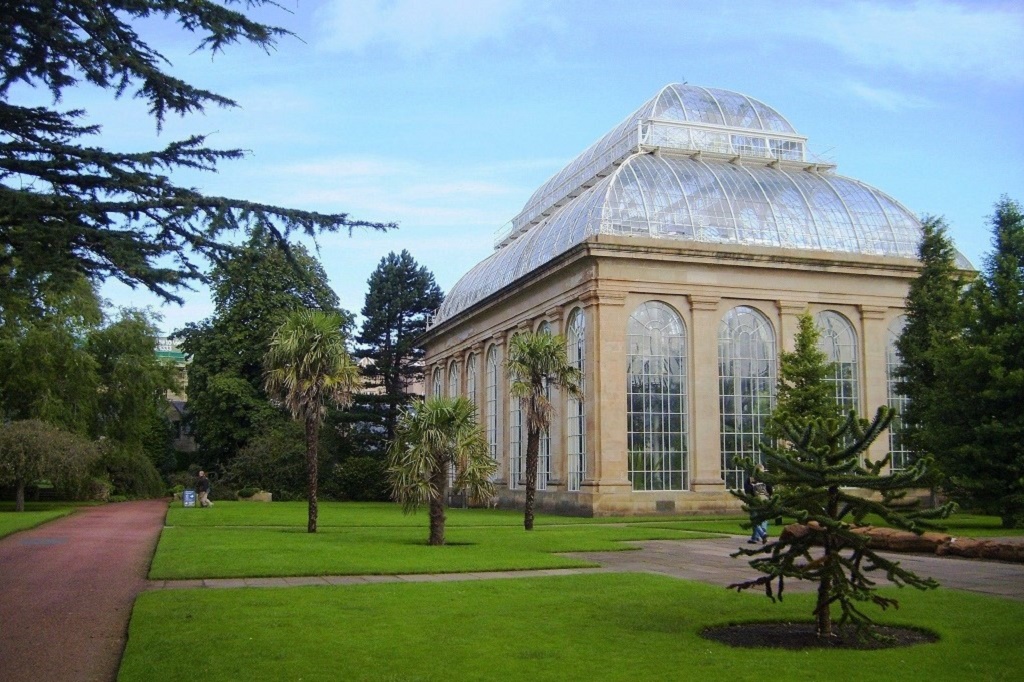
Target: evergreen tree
<point x="814" y="475"/>
<point x="804" y="390"/>
<point x="253" y="292"/>
<point x="935" y="321"/>
<point x="977" y="432"/>
<point x="69" y="206"/>
<point x="401" y="297"/>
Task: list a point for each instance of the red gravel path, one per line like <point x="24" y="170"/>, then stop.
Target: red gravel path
<point x="67" y="589"/>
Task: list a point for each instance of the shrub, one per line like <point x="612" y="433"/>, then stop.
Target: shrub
<point x="273" y="461"/>
<point x="130" y="472"/>
<point x="360" y="479"/>
<point x="246" y="493"/>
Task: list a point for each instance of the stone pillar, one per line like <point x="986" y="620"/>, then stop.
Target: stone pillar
<point x="500" y="410"/>
<point x="875" y="392"/>
<point x="705" y="423"/>
<point x="605" y="393"/>
<point x="789" y="323"/>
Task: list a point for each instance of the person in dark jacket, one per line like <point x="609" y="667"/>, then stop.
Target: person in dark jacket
<point x="757" y="488"/>
<point x="203" y="486"/>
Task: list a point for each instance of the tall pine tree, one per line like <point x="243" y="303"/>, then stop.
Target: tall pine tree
<point x="401" y="297"/>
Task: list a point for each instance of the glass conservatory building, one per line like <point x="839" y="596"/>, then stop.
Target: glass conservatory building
<point x="675" y="255"/>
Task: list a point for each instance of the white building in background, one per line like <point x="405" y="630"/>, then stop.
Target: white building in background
<point x="675" y="255"/>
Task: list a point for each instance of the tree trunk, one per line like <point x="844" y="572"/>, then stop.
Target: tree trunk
<point x="437" y="506"/>
<point x="532" y="455"/>
<point x="312" y="473"/>
<point x="823" y="610"/>
<point x="19" y="496"/>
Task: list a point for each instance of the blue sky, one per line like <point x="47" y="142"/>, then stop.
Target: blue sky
<point x="445" y="115"/>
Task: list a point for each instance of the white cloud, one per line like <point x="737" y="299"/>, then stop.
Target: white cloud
<point x="414" y="26"/>
<point x="890" y="100"/>
<point x="924" y="37"/>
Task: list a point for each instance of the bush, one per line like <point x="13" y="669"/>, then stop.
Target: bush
<point x="246" y="493"/>
<point x="131" y="473"/>
<point x="273" y="461"/>
<point x="360" y="479"/>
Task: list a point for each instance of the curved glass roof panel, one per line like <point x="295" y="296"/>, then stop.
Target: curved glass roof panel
<point x="686" y="198"/>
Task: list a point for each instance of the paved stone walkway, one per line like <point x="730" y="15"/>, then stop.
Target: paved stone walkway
<point x="703" y="560"/>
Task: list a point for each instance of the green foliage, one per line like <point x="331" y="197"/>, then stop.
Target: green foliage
<point x="31" y="449"/>
<point x="247" y="493"/>
<point x="975" y="423"/>
<point x="804" y="390"/>
<point x="130" y="472"/>
<point x="308" y="366"/>
<point x="401" y="297"/>
<point x="273" y="461"/>
<point x="70" y="206"/>
<point x="935" y="320"/>
<point x="814" y="475"/>
<point x="434" y="437"/>
<point x="254" y="290"/>
<point x="360" y="479"/>
<point x="536" y="363"/>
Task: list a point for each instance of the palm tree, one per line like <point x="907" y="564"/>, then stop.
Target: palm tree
<point x="308" y="366"/>
<point x="535" y="362"/>
<point x="432" y="437"/>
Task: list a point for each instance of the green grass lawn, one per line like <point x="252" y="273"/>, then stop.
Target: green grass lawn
<point x="586" y="627"/>
<point x="35" y="514"/>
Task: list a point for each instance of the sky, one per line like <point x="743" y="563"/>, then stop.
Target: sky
<point x="445" y="115"/>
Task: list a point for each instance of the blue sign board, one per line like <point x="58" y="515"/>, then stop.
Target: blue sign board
<point x="189" y="498"/>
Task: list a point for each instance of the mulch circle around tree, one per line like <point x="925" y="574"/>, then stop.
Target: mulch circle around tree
<point x="802" y="636"/>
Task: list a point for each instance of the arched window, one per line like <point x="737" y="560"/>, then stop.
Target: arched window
<point x="544" y="451"/>
<point x="746" y="386"/>
<point x="516" y="447"/>
<point x="839" y="344"/>
<point x="436" y="389"/>
<point x="491" y="400"/>
<point x="471" y="379"/>
<point x="453" y="380"/>
<point x="576" y="418"/>
<point x="656" y="398"/>
<point x="898" y="449"/>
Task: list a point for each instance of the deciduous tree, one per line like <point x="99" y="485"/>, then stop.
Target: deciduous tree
<point x="31" y="449"/>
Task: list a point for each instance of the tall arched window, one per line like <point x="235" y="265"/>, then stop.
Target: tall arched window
<point x="544" y="451"/>
<point x="898" y="449"/>
<point x="453" y="380"/>
<point x="746" y="386"/>
<point x="436" y="389"/>
<point x="839" y="344"/>
<point x="576" y="418"/>
<point x="471" y="379"/>
<point x="656" y="398"/>
<point x="491" y="400"/>
<point x="516" y="461"/>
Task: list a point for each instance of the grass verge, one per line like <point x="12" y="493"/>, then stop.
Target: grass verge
<point x="35" y="514"/>
<point x="588" y="627"/>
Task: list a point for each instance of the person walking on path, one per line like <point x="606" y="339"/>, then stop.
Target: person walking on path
<point x="203" y="486"/>
<point x="754" y="486"/>
<point x="67" y="589"/>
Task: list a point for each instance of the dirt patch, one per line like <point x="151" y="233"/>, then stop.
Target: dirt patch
<point x="802" y="636"/>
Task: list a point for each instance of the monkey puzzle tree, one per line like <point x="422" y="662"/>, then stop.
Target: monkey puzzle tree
<point x="816" y="472"/>
<point x="435" y="438"/>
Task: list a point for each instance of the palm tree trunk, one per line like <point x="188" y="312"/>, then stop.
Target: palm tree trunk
<point x="312" y="473"/>
<point x="532" y="455"/>
<point x="437" y="505"/>
<point x="19" y="496"/>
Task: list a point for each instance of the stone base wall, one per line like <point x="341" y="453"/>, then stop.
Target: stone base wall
<point x="588" y="504"/>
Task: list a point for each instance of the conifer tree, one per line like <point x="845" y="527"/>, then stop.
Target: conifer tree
<point x="67" y="205"/>
<point x="803" y="390"/>
<point x="814" y="475"/>
<point x="400" y="298"/>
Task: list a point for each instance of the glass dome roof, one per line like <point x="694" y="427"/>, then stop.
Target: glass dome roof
<point x="769" y="196"/>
